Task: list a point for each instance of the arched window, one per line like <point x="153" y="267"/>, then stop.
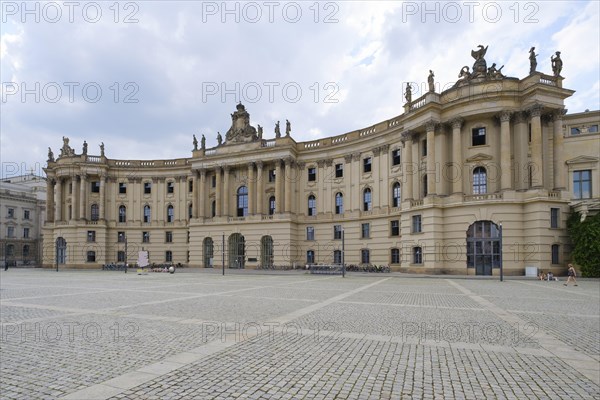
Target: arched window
<point x="271" y="205"/>
<point x="170" y="213"/>
<point x="122" y="214"/>
<point x="479" y="180"/>
<point x="367" y="203"/>
<point x="10" y="250"/>
<point x="147" y="214"/>
<point x="312" y="205"/>
<point x="25" y="251"/>
<point x="266" y="252"/>
<point x="396" y="195"/>
<point x="339" y="203"/>
<point x="94" y="212"/>
<point x="242" y="201"/>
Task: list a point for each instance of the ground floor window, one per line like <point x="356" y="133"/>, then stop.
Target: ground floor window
<point x="310" y="257"/>
<point x="337" y="256"/>
<point x="417" y="255"/>
<point x="555" y="250"/>
<point x="168" y="256"/>
<point x="395" y="256"/>
<point x="91" y="256"/>
<point x="365" y="256"/>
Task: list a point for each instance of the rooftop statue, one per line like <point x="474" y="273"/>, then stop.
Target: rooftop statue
<point x="480" y="65"/>
<point x="85" y="147"/>
<point x="241" y="131"/>
<point x="203" y="143"/>
<point x="66" y="150"/>
<point x="50" y="155"/>
<point x="532" y="60"/>
<point x="557" y="64"/>
<point x="219" y="139"/>
<point x="102" y="149"/>
<point x="288" y="128"/>
<point x="431" y="82"/>
<point x="408" y="93"/>
<point x="480" y="70"/>
<point x="195" y="142"/>
<point x="260" y="131"/>
<point x="277" y="130"/>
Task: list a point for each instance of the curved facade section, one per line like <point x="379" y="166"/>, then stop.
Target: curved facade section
<point x="432" y="190"/>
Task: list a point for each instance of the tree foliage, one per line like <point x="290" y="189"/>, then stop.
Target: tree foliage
<point x="586" y="243"/>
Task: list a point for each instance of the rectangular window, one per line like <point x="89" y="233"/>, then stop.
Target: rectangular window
<point x="337" y="231"/>
<point x="120" y="256"/>
<point x="424" y="147"/>
<point x="367" y="164"/>
<point x="593" y="129"/>
<point x="365" y="231"/>
<point x="70" y="188"/>
<point x="529" y="133"/>
<point x="396" y="157"/>
<point x="91" y="236"/>
<point x="337" y="256"/>
<point x="122" y="188"/>
<point x="416" y="224"/>
<point x="554" y="217"/>
<point x="145" y="237"/>
<point x="365" y="256"/>
<point x="575" y="131"/>
<point x="339" y="170"/>
<point x="25" y="233"/>
<point x="10" y="231"/>
<point x="169" y="237"/>
<point x="478" y="135"/>
<point x="11" y="213"/>
<point x="395" y="256"/>
<point x="147" y="187"/>
<point x="582" y="184"/>
<point x="121" y="237"/>
<point x="271" y="175"/>
<point x="95" y="187"/>
<point x="213" y="181"/>
<point x="190" y="186"/>
<point x="168" y="256"/>
<point x="555" y="249"/>
<point x="91" y="256"/>
<point x="171" y="187"/>
<point x="26" y="214"/>
<point x="395" y="228"/>
<point x="310" y="233"/>
<point x="310" y="257"/>
<point x="312" y="174"/>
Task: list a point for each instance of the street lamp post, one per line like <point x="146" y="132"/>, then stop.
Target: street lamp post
<point x="343" y="253"/>
<point x="125" y="253"/>
<point x="501" y="259"/>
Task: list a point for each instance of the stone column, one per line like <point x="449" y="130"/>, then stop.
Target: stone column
<point x="327" y="181"/>
<point x="201" y="195"/>
<point x="521" y="150"/>
<point x="431" y="161"/>
<point x="82" y="194"/>
<point x="102" y="197"/>
<point x="226" y="192"/>
<point x="384" y="180"/>
<point x="537" y="167"/>
<point x="50" y="200"/>
<point x="251" y="189"/>
<point x="260" y="188"/>
<point x="559" y="155"/>
<point x="505" y="169"/>
<point x="75" y="197"/>
<point x="289" y="176"/>
<point x="457" y="158"/>
<point x="218" y="189"/>
<point x="155" y="206"/>
<point x="58" y="201"/>
<point x="279" y="178"/>
<point x="375" y="166"/>
<point x="195" y="194"/>
<point x="348" y="182"/>
<point x="408" y="169"/>
<point x="356" y="192"/>
<point x="321" y="189"/>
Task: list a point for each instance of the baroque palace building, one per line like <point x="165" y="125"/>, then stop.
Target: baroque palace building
<point x="483" y="174"/>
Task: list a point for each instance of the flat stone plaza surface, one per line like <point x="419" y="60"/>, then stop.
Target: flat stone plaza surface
<point x="200" y="335"/>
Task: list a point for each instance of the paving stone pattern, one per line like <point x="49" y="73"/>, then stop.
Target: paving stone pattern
<point x="199" y="335"/>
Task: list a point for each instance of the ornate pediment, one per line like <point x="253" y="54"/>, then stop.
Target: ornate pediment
<point x="241" y="131"/>
<point x="582" y="160"/>
<point x="479" y="158"/>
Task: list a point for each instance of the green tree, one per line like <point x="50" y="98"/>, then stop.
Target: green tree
<point x="586" y="243"/>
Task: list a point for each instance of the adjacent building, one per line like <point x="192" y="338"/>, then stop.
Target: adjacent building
<point x="22" y="215"/>
<point x="481" y="175"/>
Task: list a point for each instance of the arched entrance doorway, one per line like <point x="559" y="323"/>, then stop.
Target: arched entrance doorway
<point x="61" y="250"/>
<point x="483" y="247"/>
<point x="266" y="252"/>
<point x="208" y="252"/>
<point x="237" y="251"/>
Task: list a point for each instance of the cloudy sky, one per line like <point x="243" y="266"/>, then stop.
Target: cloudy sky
<point x="144" y="76"/>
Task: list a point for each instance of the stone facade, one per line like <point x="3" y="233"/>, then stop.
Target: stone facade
<point x="22" y="215"/>
<point x="431" y="190"/>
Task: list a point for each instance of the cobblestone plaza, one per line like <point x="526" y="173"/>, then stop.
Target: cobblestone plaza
<point x="200" y="335"/>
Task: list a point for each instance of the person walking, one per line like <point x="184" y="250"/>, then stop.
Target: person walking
<point x="571" y="275"/>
